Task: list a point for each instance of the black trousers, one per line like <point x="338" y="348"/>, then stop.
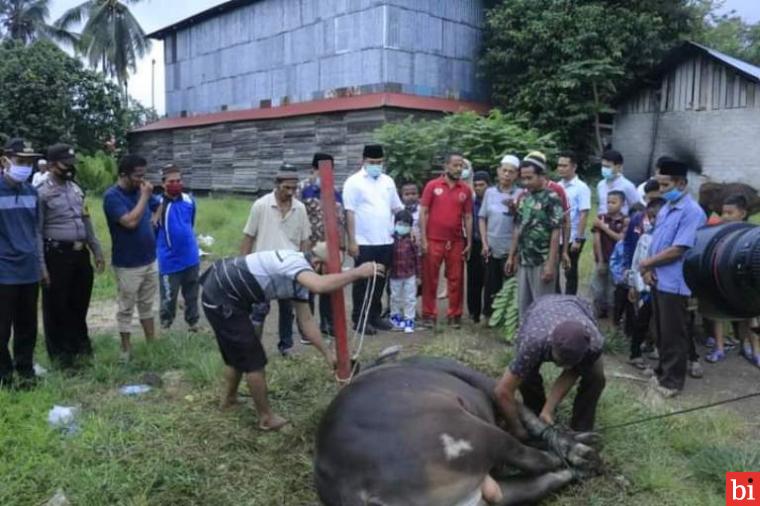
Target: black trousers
<point x="383" y="255"/>
<point x="65" y="303"/>
<point x="571" y="275"/>
<point x="476" y="270"/>
<point x="640" y="327"/>
<point x="494" y="281"/>
<point x="673" y="340"/>
<point x="169" y="288"/>
<point x="18" y="314"/>
<point x="325" y="311"/>
<point x="590" y="389"/>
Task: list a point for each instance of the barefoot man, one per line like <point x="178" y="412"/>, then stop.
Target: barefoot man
<point x="232" y="286"/>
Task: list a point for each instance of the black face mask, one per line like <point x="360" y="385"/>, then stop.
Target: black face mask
<point x="69" y="172"/>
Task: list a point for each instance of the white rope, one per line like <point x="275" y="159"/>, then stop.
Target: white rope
<point x="361" y="324"/>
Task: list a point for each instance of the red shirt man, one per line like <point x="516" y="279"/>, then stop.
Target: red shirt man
<point x="446" y="230"/>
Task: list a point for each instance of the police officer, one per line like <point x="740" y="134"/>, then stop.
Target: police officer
<point x="68" y="240"/>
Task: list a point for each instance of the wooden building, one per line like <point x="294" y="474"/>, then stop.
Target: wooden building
<point x="698" y="105"/>
<point x="251" y="84"/>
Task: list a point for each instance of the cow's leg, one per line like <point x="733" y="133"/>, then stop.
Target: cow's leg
<point x="530" y="490"/>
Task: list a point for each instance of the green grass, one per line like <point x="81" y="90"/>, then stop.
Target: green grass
<point x="222" y="218"/>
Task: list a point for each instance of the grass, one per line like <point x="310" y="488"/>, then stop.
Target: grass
<point x="222" y="218"/>
<point x="173" y="447"/>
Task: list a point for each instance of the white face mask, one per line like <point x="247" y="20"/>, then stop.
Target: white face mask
<point x="20" y="173"/>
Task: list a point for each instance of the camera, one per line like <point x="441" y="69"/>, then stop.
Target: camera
<point x="723" y="270"/>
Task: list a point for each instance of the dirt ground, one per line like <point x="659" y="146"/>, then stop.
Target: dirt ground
<point x="730" y="378"/>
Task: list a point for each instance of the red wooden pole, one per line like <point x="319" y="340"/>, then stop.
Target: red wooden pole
<point x="338" y="304"/>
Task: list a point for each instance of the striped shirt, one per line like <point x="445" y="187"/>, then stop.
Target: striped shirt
<point x="20" y="239"/>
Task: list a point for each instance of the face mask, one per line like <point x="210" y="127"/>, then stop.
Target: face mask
<point x="403" y="229"/>
<point x="607" y="173"/>
<point x="174" y="189"/>
<point x="672" y="195"/>
<point x="466" y="174"/>
<point x="20" y="173"/>
<point x="69" y="172"/>
<point x="648" y="227"/>
<point x="374" y="171"/>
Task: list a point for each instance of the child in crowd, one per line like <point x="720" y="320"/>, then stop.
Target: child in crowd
<point x="639" y="233"/>
<point x="608" y="229"/>
<point x="410" y="197"/>
<point x="405" y="269"/>
<point x="735" y="208"/>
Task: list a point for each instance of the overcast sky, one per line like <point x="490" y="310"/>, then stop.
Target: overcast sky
<point x="155" y="14"/>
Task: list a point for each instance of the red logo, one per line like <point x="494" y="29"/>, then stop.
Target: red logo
<point x="742" y="489"/>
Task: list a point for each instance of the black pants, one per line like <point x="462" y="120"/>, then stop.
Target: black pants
<point x="623" y="310"/>
<point x="18" y="313"/>
<point x="571" y="275"/>
<point x="170" y="286"/>
<point x="673" y="340"/>
<point x="65" y="303"/>
<point x="640" y="327"/>
<point x="494" y="281"/>
<point x="590" y="390"/>
<point x="382" y="255"/>
<point x="325" y="311"/>
<point x="476" y="270"/>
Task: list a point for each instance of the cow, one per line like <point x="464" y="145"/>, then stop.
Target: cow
<point x="425" y="431"/>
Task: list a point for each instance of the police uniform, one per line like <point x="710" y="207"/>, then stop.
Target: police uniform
<point x="68" y="239"/>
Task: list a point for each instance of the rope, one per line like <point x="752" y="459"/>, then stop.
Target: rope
<point x="361" y="326"/>
<point x="681" y="412"/>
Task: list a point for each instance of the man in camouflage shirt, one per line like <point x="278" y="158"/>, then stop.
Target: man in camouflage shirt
<point x="309" y="192"/>
<point x="536" y="239"/>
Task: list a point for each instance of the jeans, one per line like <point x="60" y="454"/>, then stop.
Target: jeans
<point x="170" y="285"/>
<point x="404" y="297"/>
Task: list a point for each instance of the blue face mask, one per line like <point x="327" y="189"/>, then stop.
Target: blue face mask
<point x="403" y="229"/>
<point x="374" y="171"/>
<point x="673" y="194"/>
<point x="20" y="173"/>
<point x="607" y="173"/>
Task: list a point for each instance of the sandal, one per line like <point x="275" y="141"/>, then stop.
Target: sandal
<point x="715" y="356"/>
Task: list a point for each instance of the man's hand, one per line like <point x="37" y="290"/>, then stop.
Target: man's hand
<point x="566" y="262"/>
<point x="353" y="249"/>
<point x="510" y="266"/>
<point x="466" y="251"/>
<point x="100" y="265"/>
<point x="146" y="189"/>
<point x="650" y="278"/>
<point x="546" y="417"/>
<point x="368" y="269"/>
<point x="486" y="251"/>
<point x="45" y="279"/>
<point x="599" y="224"/>
<point x="547" y="273"/>
<point x="602" y="269"/>
<point x="633" y="295"/>
<point x="575" y="247"/>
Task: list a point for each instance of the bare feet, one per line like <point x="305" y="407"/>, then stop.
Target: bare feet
<point x="272" y="423"/>
<point x="229" y="403"/>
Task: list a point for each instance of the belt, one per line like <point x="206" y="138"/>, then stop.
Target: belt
<point x="65" y="245"/>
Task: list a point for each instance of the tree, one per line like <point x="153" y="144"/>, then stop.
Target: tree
<point x="728" y="33"/>
<point x="111" y="39"/>
<point x="48" y="97"/>
<point x="562" y="61"/>
<point x="26" y="21"/>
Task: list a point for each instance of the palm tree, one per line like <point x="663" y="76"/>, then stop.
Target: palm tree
<point x="26" y="21"/>
<point x="111" y="39"/>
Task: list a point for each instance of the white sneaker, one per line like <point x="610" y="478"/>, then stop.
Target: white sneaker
<point x="409" y="326"/>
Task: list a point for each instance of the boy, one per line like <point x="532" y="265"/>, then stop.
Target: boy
<point x="735" y="209"/>
<point x="404" y="273"/>
<point x="608" y="229"/>
<point x="410" y="197"/>
<point x="639" y="293"/>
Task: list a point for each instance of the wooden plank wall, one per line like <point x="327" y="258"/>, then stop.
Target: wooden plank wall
<point x="244" y="157"/>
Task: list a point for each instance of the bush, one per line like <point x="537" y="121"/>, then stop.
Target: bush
<point x="97" y="172"/>
<point x="415" y="148"/>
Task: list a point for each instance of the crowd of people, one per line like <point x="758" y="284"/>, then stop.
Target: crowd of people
<point x="523" y="225"/>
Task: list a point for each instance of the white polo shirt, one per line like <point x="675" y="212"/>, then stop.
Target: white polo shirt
<point x="373" y="202"/>
<point x="579" y="199"/>
<point x="620" y="183"/>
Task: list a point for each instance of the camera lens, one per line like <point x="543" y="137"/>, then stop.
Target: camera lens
<point x="723" y="270"/>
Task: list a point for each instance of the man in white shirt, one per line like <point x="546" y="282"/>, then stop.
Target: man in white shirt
<point x="613" y="179"/>
<point x="371" y="199"/>
<point x="278" y="222"/>
<point x="42" y="173"/>
<point x="579" y="201"/>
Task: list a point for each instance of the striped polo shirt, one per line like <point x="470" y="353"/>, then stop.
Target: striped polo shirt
<point x="20" y="245"/>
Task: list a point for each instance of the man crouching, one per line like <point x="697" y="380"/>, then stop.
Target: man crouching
<point x="231" y="287"/>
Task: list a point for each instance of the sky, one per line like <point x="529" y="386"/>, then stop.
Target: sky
<point x="155" y="14"/>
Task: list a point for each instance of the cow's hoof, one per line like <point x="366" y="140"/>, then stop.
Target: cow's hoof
<point x="592" y="439"/>
<point x="583" y="457"/>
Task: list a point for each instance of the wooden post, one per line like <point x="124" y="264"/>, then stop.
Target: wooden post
<point x="337" y="302"/>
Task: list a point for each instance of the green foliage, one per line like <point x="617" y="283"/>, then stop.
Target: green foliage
<point x="49" y="97"/>
<point x="728" y="33"/>
<point x="415" y="148"/>
<point x="549" y="58"/>
<point x="97" y="172"/>
<point x="506" y="311"/>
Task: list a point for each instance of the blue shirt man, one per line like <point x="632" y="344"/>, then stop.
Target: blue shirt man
<point x="674" y="233"/>
<point x="131" y="247"/>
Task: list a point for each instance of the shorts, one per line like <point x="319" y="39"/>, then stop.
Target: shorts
<point x="235" y="335"/>
<point x="137" y="286"/>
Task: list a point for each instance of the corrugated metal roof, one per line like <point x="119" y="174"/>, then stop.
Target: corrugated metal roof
<point x="360" y="102"/>
<point x="742" y="66"/>
<point x="201" y="16"/>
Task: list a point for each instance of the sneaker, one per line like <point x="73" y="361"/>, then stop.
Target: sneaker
<point x="455" y="322"/>
<point x="638" y="363"/>
<point x="715" y="356"/>
<point x="381" y="324"/>
<point x="428" y="323"/>
<point x="746" y="352"/>
<point x="305" y="342"/>
<point x="398" y="322"/>
<point x="409" y="326"/>
<point x="695" y="369"/>
<point x="729" y="344"/>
